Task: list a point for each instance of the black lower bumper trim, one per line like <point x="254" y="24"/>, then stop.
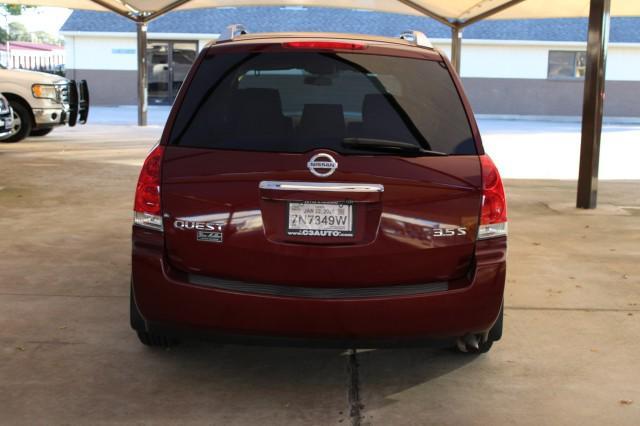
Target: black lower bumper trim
<point x="315" y="292"/>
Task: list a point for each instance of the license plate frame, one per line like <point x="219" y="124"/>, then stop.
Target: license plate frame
<point x="301" y="222"/>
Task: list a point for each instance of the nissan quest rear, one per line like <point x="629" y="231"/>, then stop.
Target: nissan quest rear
<point x="322" y="189"/>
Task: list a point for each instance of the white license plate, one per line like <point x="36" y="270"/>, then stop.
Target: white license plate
<point x="320" y="220"/>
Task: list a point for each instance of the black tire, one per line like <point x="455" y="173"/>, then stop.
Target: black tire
<point x="494" y="335"/>
<point x="41" y="132"/>
<point x="146" y="338"/>
<point x="484" y="347"/>
<point x="156" y="341"/>
<point x="23" y="122"/>
<point x="496" y="331"/>
<point x="135" y="317"/>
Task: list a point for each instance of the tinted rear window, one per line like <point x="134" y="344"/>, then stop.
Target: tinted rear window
<point x="299" y="101"/>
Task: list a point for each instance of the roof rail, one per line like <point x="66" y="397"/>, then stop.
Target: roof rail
<point x="235" y="30"/>
<point x="416" y="37"/>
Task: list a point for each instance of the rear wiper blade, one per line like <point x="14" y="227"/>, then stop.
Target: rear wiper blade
<point x="388" y="145"/>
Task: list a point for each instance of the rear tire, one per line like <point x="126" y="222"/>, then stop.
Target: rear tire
<point x="41" y="132"/>
<point x="484" y="346"/>
<point x="157" y="341"/>
<point x="496" y="331"/>
<point x="146" y="338"/>
<point x="22" y="122"/>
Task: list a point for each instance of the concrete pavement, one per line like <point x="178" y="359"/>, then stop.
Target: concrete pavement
<point x="67" y="355"/>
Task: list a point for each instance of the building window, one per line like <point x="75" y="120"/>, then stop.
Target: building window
<point x="567" y="65"/>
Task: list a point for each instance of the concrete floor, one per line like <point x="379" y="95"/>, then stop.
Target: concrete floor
<point x="67" y="356"/>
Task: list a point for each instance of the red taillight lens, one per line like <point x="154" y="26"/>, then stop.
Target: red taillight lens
<point x="147" y="202"/>
<point x="494" y="205"/>
<point x="493" y="218"/>
<point x="324" y="45"/>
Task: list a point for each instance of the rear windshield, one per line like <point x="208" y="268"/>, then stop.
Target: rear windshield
<point x="295" y="102"/>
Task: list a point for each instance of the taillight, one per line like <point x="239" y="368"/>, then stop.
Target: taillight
<point x="146" y="208"/>
<point x="324" y="45"/>
<point x="493" y="218"/>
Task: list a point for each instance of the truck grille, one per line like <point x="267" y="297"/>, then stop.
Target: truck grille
<point x="63" y="93"/>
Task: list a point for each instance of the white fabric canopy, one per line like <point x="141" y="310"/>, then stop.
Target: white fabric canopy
<point x="455" y="10"/>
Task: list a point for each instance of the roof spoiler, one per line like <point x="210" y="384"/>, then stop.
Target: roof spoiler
<point x="416" y="37"/>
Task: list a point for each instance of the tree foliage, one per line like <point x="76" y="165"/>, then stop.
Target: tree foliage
<point x="14" y="9"/>
<point x="10" y="9"/>
<point x="18" y="32"/>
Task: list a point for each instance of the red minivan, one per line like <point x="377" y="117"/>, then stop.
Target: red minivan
<point x="323" y="189"/>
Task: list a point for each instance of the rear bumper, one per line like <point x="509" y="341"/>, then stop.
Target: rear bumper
<point x="175" y="306"/>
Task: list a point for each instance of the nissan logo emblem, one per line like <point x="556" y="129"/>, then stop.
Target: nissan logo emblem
<point x="322" y="165"/>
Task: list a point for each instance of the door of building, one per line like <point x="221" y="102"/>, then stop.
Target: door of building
<point x="168" y="63"/>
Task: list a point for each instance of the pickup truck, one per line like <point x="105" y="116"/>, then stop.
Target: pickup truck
<point x="41" y="102"/>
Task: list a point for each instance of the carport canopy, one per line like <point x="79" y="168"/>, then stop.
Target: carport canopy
<point x="456" y="14"/>
<point x="462" y="11"/>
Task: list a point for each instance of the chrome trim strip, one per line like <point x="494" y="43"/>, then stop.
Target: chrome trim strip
<point x="321" y="186"/>
<point x="317" y="293"/>
<point x="493" y="230"/>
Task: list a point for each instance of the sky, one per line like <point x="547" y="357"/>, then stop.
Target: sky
<point x="48" y="19"/>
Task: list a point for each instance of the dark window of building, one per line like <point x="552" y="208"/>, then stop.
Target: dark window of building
<point x="566" y="64"/>
<point x="168" y="63"/>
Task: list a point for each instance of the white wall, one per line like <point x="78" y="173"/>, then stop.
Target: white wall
<point x="114" y="52"/>
<point x="97" y="53"/>
<point x="623" y="63"/>
<point x="495" y="59"/>
<point x="500" y="61"/>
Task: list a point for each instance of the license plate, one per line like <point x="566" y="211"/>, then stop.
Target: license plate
<point x="5" y="124"/>
<point x="320" y="219"/>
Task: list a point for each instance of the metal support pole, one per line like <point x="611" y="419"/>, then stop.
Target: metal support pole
<point x="456" y="47"/>
<point x="593" y="106"/>
<point x="143" y="100"/>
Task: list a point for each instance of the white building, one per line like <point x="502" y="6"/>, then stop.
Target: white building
<point x="519" y="67"/>
<point x="32" y="56"/>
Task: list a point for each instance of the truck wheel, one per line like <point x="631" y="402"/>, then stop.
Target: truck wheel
<point x="22" y="123"/>
<point x="41" y="132"/>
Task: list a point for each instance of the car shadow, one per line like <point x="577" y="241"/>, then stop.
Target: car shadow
<point x="314" y="378"/>
<point x="384" y="373"/>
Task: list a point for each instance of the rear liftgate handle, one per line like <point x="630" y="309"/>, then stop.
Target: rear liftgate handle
<point x="321" y="186"/>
